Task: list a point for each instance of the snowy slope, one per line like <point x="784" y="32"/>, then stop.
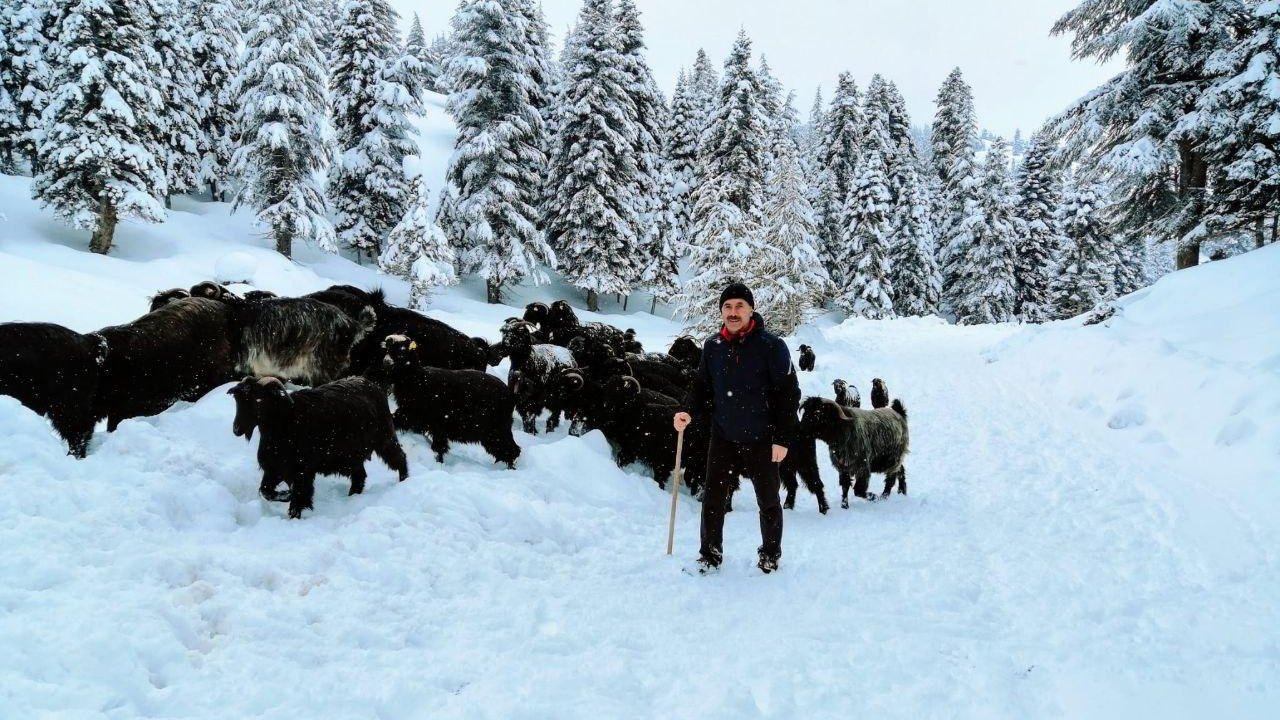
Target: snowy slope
<point x="1090" y="532"/>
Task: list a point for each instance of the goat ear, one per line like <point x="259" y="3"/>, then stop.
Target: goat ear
<point x="576" y="381"/>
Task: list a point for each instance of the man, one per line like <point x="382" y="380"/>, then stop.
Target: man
<point x="747" y="384"/>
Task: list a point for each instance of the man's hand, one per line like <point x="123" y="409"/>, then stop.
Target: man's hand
<point x="779" y="453"/>
<point x="681" y="421"/>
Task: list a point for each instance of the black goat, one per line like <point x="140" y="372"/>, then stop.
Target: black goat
<point x="537" y="313"/>
<point x="439" y="344"/>
<point x="53" y="371"/>
<point x="331" y="429"/>
<point x="862" y="442"/>
<point x="214" y="291"/>
<point x="629" y="342"/>
<point x="879" y="393"/>
<point x="686" y="351"/>
<point x="164" y="297"/>
<point x="466" y="406"/>
<point x="802" y="460"/>
<point x="807" y="358"/>
<point x="562" y="326"/>
<point x="178" y="352"/>
<point x="533" y="368"/>
<point x="637" y="424"/>
<point x="847" y="396"/>
<point x="302" y="340"/>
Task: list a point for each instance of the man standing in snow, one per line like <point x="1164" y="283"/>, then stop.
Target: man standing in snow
<point x="747" y="384"/>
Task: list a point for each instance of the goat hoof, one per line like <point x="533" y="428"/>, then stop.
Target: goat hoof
<point x="295" y="514"/>
<point x="822" y="509"/>
<point x="789" y="505"/>
<point x="844" y="504"/>
<point x="440" y="457"/>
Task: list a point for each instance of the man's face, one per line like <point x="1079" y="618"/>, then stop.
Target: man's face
<point x="735" y="313"/>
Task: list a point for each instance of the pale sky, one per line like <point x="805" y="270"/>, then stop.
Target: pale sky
<point x="1019" y="74"/>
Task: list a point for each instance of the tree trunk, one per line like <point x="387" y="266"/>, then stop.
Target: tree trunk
<point x="168" y="201"/>
<point x="494" y="291"/>
<point x="653" y="306"/>
<point x="625" y="298"/>
<point x="1275" y="226"/>
<point x="284" y="241"/>
<point x="1259" y="236"/>
<point x="1193" y="178"/>
<point x="100" y="242"/>
<point x="593" y="301"/>
<point x="213" y="191"/>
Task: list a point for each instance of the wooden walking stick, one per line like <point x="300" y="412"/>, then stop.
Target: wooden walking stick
<point x="676" y="475"/>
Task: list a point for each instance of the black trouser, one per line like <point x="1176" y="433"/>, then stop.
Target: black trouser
<point x="725" y="460"/>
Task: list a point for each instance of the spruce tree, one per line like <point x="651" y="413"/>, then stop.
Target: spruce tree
<point x="215" y="52"/>
<point x="372" y="96"/>
<point x="1140" y="132"/>
<point x="866" y="231"/>
<point x="102" y="118"/>
<point x="494" y="180"/>
<point x="285" y="141"/>
<point x="841" y="139"/>
<point x="954" y="129"/>
<point x="1088" y="274"/>
<point x="177" y="80"/>
<point x="913" y="266"/>
<point x="985" y="289"/>
<point x="1130" y="264"/>
<point x="790" y="225"/>
<point x="649" y="119"/>
<point x="732" y="149"/>
<point x="1039" y="237"/>
<point x="593" y="218"/>
<point x="441" y="50"/>
<point x="714" y="257"/>
<point x="771" y="92"/>
<point x="417" y="250"/>
<point x="683" y="128"/>
<point x="1236" y="114"/>
<point x="415" y="45"/>
<point x="705" y="84"/>
<point x="954" y="126"/>
<point x="27" y="34"/>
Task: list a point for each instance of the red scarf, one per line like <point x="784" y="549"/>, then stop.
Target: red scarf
<point x="730" y="336"/>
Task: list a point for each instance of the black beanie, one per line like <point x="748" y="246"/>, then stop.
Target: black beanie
<point x="737" y="291"/>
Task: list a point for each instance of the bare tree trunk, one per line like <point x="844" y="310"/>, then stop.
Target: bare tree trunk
<point x="1193" y="178"/>
<point x="100" y="242"/>
<point x="494" y="291"/>
<point x="1259" y="237"/>
<point x="284" y="241"/>
<point x="653" y="306"/>
<point x="593" y="301"/>
<point x="625" y="298"/>
<point x="168" y="201"/>
<point x="1275" y="226"/>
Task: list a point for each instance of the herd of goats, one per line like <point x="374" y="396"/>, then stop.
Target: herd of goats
<point x="353" y="350"/>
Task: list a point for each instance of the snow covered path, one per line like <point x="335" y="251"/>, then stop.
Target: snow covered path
<point x="1041" y="566"/>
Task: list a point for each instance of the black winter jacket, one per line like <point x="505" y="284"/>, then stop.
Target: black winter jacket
<point x="748" y="386"/>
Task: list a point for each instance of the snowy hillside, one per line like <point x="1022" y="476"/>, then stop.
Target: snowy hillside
<point x="1090" y="531"/>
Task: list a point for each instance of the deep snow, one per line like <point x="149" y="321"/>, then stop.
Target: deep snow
<point x="1091" y="531"/>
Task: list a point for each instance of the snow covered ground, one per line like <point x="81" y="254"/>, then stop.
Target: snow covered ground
<point x="1091" y="532"/>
